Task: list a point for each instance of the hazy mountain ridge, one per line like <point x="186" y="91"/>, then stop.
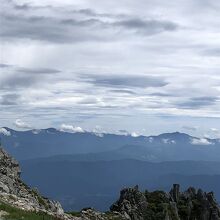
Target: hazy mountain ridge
<point x="165" y="147"/>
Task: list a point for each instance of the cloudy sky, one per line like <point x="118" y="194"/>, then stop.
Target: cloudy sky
<point x="147" y="66"/>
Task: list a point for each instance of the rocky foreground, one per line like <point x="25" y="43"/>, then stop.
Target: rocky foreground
<point x="132" y="205"/>
<point x="158" y="205"/>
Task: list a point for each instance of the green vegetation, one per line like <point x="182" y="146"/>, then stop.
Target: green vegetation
<point x="18" y="214"/>
<point x="157" y="202"/>
<point x="75" y="214"/>
<point x="112" y="216"/>
<point x="40" y="199"/>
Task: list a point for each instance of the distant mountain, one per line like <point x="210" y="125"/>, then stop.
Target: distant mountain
<point x="89" y="146"/>
<point x="78" y="184"/>
<point x="49" y="142"/>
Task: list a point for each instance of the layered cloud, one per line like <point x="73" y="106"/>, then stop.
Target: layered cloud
<point x="51" y="24"/>
<point x="115" y="64"/>
<point x="125" y="81"/>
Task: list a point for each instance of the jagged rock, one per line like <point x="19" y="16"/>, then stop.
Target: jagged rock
<point x="188" y="205"/>
<point x="132" y="204"/>
<point x="14" y="192"/>
<point x="174" y="192"/>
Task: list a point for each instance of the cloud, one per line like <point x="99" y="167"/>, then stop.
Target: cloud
<point x="123" y="132"/>
<point x="71" y="129"/>
<point x="213" y="52"/>
<point x="198" y="102"/>
<point x="18" y="81"/>
<point x="147" y="27"/>
<point x="9" y="99"/>
<point x="134" y="134"/>
<point x="5" y="132"/>
<point x="37" y="70"/>
<point x="157" y="49"/>
<point x="15" y="77"/>
<point x="215" y="132"/>
<point x="2" y="65"/>
<point x="201" y="141"/>
<point x="190" y="128"/>
<point x="123" y="91"/>
<point x="125" y="81"/>
<point x="69" y="26"/>
<point x="21" y="124"/>
<point x="168" y="141"/>
<point x="160" y="94"/>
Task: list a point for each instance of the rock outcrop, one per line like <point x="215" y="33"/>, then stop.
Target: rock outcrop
<point x="14" y="192"/>
<point x="189" y="205"/>
<point x="132" y="204"/>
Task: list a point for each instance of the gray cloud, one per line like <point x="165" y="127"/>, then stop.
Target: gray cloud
<point x="123" y="91"/>
<point x="215" y="52"/>
<point x="9" y="99"/>
<point x="59" y="29"/>
<point x="147" y="26"/>
<point x="190" y="128"/>
<point x="120" y="81"/>
<point x="20" y="77"/>
<point x="198" y="102"/>
<point x="18" y="81"/>
<point x="160" y="94"/>
<point x="2" y="65"/>
<point x="37" y="70"/>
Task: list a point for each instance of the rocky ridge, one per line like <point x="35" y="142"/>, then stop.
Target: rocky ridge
<point x="158" y="205"/>
<point x="14" y="192"/>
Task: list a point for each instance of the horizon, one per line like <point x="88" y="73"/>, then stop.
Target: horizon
<point x="72" y="130"/>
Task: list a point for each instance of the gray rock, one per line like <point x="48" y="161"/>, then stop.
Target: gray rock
<point x="14" y="192"/>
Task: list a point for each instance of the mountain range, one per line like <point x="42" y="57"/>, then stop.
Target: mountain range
<point x="92" y="146"/>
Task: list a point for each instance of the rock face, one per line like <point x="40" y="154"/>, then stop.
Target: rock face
<point x="189" y="205"/>
<point x="132" y="204"/>
<point x="14" y="192"/>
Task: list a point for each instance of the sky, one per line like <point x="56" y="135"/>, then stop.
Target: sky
<point x="144" y="67"/>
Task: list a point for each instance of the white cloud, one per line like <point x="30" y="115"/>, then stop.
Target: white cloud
<point x="201" y="141"/>
<point x="173" y="142"/>
<point x="98" y="131"/>
<point x="215" y="131"/>
<point x="21" y="124"/>
<point x="36" y="131"/>
<point x="71" y="129"/>
<point x="5" y="132"/>
<point x="98" y="134"/>
<point x="168" y="141"/>
<point x="151" y="139"/>
<point x="134" y="134"/>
